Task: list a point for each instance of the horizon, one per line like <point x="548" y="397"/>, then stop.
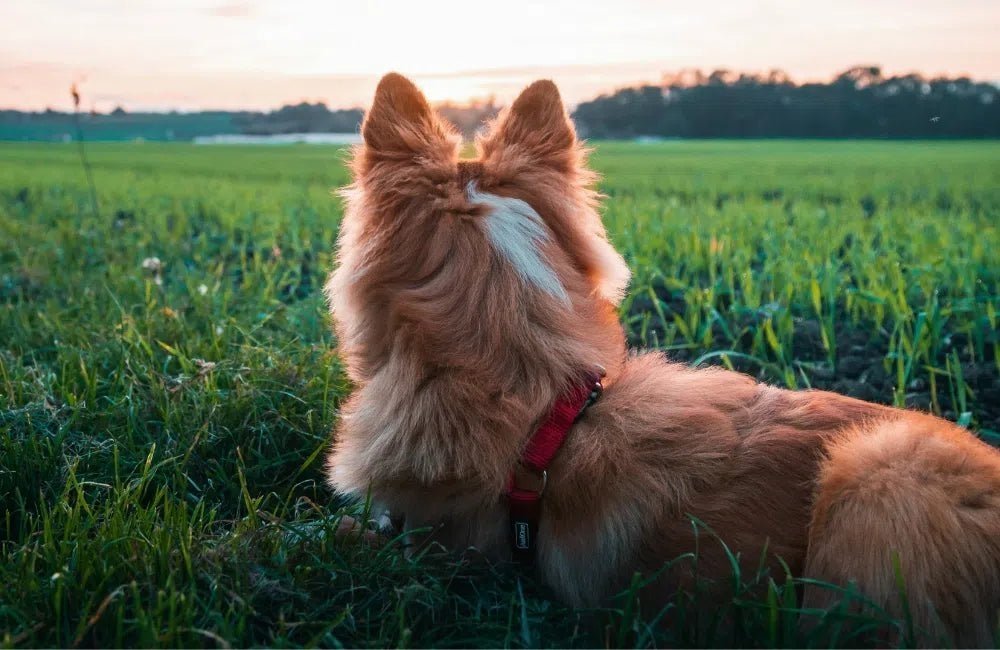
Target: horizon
<point x="257" y="55"/>
<point x="475" y="100"/>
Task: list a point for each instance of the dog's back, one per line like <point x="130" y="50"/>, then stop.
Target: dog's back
<point x="674" y="460"/>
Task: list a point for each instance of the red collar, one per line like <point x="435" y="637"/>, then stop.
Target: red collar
<point x="527" y="481"/>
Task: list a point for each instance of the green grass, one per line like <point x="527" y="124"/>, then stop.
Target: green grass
<point x="162" y="434"/>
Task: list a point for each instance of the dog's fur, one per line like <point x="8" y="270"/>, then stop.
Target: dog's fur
<point x="469" y="294"/>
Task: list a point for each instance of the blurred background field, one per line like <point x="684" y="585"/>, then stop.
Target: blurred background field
<point x="168" y="378"/>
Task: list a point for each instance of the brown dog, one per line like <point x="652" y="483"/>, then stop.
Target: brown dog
<point x="471" y="296"/>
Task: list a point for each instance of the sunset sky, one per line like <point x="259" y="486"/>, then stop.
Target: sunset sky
<point x="259" y="54"/>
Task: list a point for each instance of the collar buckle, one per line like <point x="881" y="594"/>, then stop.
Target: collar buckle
<point x="526" y="479"/>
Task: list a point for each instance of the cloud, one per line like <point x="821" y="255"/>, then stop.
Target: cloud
<point x="232" y="10"/>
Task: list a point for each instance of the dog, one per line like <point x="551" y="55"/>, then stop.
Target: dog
<point x="475" y="307"/>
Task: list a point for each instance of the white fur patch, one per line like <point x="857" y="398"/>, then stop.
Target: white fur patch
<point x="614" y="272"/>
<point x="517" y="232"/>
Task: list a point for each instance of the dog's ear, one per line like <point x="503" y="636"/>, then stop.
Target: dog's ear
<point x="537" y="124"/>
<point x="400" y="123"/>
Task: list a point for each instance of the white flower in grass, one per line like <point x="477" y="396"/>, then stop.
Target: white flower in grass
<point x="202" y="289"/>
<point x="218" y="330"/>
<point x="154" y="266"/>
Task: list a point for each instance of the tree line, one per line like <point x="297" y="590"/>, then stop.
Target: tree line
<point x="859" y="103"/>
<point x="300" y="118"/>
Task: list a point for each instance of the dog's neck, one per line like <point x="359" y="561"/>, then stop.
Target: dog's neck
<point x="431" y="423"/>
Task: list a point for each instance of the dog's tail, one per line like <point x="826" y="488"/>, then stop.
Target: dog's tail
<point x="909" y="509"/>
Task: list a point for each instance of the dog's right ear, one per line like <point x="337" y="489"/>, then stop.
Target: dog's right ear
<point x="537" y="126"/>
<point x="400" y="124"/>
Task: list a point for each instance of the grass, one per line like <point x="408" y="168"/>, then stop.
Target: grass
<point x="162" y="429"/>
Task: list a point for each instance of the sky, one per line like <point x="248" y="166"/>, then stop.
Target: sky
<point x="260" y="54"/>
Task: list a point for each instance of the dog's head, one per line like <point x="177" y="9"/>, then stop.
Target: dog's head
<point x="470" y="262"/>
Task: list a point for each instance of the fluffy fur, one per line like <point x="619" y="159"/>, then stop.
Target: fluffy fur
<point x="469" y="294"/>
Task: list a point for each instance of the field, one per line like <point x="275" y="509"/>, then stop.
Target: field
<point x="163" y="424"/>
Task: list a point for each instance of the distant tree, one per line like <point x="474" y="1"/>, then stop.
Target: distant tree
<point x="858" y="103"/>
<point x="469" y="118"/>
<point x="300" y="118"/>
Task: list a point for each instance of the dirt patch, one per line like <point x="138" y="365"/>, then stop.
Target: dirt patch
<point x="862" y="368"/>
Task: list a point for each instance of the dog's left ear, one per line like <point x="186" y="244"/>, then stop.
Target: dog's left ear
<point x="537" y="125"/>
<point x="401" y="126"/>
